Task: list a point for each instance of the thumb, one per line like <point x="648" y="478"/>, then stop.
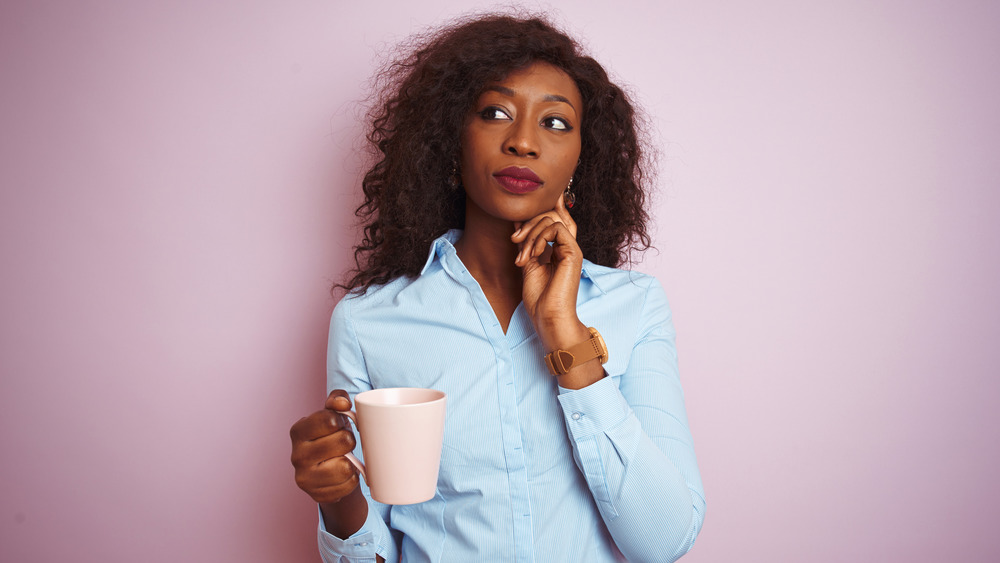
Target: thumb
<point x="338" y="400"/>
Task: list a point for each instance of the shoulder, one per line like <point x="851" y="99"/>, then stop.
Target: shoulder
<point x="629" y="299"/>
<point x="615" y="281"/>
<point x="372" y="298"/>
<point x="628" y="308"/>
<point x="357" y="305"/>
<point x="401" y="299"/>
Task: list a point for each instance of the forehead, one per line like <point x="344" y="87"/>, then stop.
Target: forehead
<point x="539" y="80"/>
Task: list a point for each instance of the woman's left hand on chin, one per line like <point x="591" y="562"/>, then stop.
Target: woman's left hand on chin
<point x="551" y="276"/>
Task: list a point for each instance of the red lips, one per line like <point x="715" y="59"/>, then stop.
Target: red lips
<point x="518" y="180"/>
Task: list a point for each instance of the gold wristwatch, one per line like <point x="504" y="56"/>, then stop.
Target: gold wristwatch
<point x="561" y="361"/>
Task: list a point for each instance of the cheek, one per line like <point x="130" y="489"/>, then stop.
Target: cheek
<point x="467" y="169"/>
<point x="568" y="160"/>
<point x="577" y="150"/>
<point x="568" y="153"/>
<point x="473" y="144"/>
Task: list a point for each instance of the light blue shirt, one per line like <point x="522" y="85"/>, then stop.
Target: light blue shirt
<point x="529" y="471"/>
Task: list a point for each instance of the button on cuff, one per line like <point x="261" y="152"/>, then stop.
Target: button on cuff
<point x="593" y="409"/>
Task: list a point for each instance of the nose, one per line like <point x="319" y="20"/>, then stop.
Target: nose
<point x="522" y="139"/>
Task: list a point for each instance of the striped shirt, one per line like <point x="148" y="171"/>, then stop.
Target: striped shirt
<point x="529" y="471"/>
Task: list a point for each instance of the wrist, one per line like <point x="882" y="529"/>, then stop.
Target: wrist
<point x="580" y="363"/>
<point x="581" y="376"/>
<point x="345" y="517"/>
<point x="561" y="335"/>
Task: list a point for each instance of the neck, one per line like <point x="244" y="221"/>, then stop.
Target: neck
<point x="487" y="251"/>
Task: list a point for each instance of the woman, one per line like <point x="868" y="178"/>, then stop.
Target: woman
<point x="507" y="188"/>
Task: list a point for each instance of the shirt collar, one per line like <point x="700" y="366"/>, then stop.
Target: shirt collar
<point x="446" y="243"/>
<point x="440" y="246"/>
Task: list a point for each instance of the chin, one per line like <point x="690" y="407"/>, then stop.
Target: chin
<point x="530" y="208"/>
<point x="523" y="216"/>
<point x="511" y="208"/>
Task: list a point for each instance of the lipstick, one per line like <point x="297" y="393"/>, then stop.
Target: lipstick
<point x="518" y="180"/>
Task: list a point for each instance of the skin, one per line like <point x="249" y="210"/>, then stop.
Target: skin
<point x="531" y="119"/>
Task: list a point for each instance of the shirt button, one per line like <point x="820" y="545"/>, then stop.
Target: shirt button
<point x="363" y="544"/>
<point x="576" y="416"/>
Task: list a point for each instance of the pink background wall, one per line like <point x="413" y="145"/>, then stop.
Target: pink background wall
<point x="177" y="179"/>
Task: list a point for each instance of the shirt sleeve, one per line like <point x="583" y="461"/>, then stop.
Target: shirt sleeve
<point x="361" y="547"/>
<point x="632" y="442"/>
<point x="345" y="369"/>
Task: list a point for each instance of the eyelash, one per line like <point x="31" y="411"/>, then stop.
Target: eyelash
<point x="490" y="114"/>
<point x="565" y="125"/>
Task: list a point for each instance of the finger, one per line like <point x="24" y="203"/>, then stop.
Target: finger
<point x="333" y="493"/>
<point x="517" y="229"/>
<point x="549" y="234"/>
<point x="335" y="471"/>
<point x="316" y="425"/>
<point x="563" y="212"/>
<point x="316" y="452"/>
<point x="338" y="400"/>
<point x="553" y="237"/>
<point x="543" y="239"/>
<point x="558" y="214"/>
<point x="560" y="208"/>
<point x="559" y="274"/>
<point x="329" y="481"/>
<point x="537" y="226"/>
<point x="527" y="226"/>
<point x="564" y="245"/>
<point x="565" y="252"/>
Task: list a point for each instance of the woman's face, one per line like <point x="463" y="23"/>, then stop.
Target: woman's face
<point x="521" y="144"/>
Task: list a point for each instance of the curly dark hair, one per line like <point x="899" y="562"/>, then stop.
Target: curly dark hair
<point x="417" y="114"/>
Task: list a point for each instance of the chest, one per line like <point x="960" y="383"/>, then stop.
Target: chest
<point x="502" y="403"/>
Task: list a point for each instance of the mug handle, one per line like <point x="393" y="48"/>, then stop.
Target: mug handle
<point x="350" y="457"/>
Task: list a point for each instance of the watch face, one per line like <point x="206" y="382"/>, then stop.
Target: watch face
<point x="600" y="344"/>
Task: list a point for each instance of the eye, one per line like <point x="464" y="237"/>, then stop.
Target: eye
<point x="493" y="113"/>
<point x="557" y="123"/>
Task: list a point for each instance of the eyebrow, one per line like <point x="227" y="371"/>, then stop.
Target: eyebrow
<point x="548" y="97"/>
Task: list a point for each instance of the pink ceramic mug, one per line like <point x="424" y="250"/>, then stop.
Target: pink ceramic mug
<point x="401" y="433"/>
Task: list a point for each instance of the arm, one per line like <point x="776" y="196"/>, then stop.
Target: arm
<point x="319" y="443"/>
<point x="339" y="537"/>
<point x="630" y="435"/>
<point x="632" y="443"/>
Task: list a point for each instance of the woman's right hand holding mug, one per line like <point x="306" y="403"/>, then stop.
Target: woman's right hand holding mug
<point x="320" y="442"/>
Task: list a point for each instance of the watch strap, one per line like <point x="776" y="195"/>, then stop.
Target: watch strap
<point x="560" y="362"/>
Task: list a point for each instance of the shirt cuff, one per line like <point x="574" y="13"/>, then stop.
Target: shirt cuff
<point x="595" y="408"/>
<point x="359" y="546"/>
